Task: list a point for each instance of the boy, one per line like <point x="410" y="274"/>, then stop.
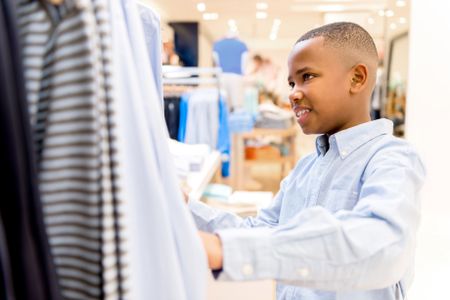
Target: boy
<point x="343" y="225"/>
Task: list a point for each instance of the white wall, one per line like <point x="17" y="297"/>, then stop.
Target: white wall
<point x="205" y="48"/>
<point x="427" y="127"/>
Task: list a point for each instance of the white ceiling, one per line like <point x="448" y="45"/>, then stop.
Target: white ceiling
<point x="297" y="16"/>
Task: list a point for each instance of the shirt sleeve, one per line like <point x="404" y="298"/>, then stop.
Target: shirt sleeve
<point x="210" y="219"/>
<point x="369" y="247"/>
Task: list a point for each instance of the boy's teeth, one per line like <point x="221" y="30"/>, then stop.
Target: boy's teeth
<point x="303" y="111"/>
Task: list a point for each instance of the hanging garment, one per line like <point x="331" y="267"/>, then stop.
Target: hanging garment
<point x="223" y="138"/>
<point x="26" y="267"/>
<point x="204" y="120"/>
<point x="6" y="278"/>
<point x="167" y="260"/>
<point x="67" y="68"/>
<point x="230" y="52"/>
<point x="203" y="117"/>
<point x="152" y="33"/>
<point x="172" y="115"/>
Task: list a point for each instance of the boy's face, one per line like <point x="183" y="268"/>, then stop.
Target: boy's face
<point x="320" y="81"/>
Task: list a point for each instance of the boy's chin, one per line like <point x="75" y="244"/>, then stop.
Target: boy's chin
<point x="308" y="131"/>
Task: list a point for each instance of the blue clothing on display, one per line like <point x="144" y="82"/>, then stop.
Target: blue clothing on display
<point x="183" y="117"/>
<point x="230" y="51"/>
<point x="221" y="135"/>
<point x="223" y="138"/>
<point x="342" y="226"/>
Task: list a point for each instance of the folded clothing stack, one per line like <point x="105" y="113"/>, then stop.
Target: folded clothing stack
<point x="272" y="116"/>
<point x="240" y="121"/>
<point x="188" y="158"/>
<point x="243" y="203"/>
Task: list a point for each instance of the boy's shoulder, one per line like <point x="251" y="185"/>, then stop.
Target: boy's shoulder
<point x="392" y="144"/>
<point x="393" y="152"/>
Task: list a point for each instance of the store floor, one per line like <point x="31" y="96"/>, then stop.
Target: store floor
<point x="432" y="257"/>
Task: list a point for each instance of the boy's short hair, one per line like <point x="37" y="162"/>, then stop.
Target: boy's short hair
<point x="346" y="36"/>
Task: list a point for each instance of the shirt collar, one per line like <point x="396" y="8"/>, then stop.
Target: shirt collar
<point x="348" y="140"/>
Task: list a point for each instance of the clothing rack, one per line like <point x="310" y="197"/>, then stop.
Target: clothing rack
<point x="176" y="75"/>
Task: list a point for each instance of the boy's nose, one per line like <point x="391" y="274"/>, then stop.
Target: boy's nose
<point x="295" y="96"/>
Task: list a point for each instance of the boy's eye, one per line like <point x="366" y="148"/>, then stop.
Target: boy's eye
<point x="307" y="76"/>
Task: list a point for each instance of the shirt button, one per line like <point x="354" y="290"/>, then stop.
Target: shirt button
<point x="304" y="272"/>
<point x="247" y="270"/>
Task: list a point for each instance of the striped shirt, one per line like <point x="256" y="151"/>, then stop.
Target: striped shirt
<point x="67" y="61"/>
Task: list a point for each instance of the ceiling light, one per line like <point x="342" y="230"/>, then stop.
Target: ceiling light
<point x="231" y="22"/>
<point x="402" y="20"/>
<point x="261" y="15"/>
<point x="330" y="8"/>
<point x="370" y="21"/>
<point x="273" y="37"/>
<point x="389" y="13"/>
<point x="381" y="13"/>
<point x="201" y="6"/>
<point x="400" y="3"/>
<point x="210" y="16"/>
<point x="393" y="26"/>
<point x="262" y="5"/>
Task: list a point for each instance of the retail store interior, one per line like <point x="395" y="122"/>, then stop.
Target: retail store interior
<point x="123" y="122"/>
<point x="268" y="29"/>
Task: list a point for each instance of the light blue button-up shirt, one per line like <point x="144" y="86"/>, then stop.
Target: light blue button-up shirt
<point x="343" y="225"/>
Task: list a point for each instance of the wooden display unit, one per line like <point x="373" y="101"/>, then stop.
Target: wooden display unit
<point x="238" y="154"/>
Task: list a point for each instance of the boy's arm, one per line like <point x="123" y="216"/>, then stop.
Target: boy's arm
<point x="210" y="219"/>
<point x="369" y="247"/>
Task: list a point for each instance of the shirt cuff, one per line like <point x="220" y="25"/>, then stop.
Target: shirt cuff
<point x="247" y="254"/>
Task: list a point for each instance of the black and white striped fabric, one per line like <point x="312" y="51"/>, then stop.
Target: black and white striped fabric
<point x="67" y="70"/>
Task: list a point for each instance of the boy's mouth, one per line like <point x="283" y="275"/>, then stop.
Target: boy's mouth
<point x="302" y="112"/>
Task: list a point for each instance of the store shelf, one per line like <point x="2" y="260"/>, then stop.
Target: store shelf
<point x="279" y="160"/>
<point x="197" y="181"/>
<point x="258" y="132"/>
<point x="238" y="154"/>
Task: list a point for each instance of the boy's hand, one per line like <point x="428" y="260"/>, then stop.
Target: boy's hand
<point x="185" y="190"/>
<point x="213" y="248"/>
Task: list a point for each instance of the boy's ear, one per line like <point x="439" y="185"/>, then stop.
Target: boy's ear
<point x="358" y="78"/>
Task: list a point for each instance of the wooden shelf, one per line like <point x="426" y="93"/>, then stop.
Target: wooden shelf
<point x="238" y="154"/>
<point x="258" y="132"/>
<point x="279" y="160"/>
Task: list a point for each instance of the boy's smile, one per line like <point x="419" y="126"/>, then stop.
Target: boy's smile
<point x="320" y="78"/>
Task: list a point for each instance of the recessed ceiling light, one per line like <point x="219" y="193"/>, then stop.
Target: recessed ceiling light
<point x="201" y="6"/>
<point x="389" y="13"/>
<point x="402" y="20"/>
<point x="381" y="13"/>
<point x="231" y="22"/>
<point x="261" y="15"/>
<point x="370" y="21"/>
<point x="210" y="16"/>
<point x="400" y="3"/>
<point x="262" y="5"/>
<point x="393" y="26"/>
<point x="331" y="8"/>
<point x="273" y="37"/>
